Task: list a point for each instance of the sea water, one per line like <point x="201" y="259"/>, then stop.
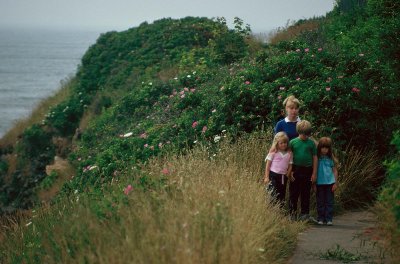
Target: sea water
<point x="33" y="63"/>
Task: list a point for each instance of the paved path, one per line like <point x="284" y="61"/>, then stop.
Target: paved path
<point x="352" y="237"/>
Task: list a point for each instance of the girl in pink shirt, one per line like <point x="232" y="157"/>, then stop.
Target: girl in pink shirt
<point x="279" y="166"/>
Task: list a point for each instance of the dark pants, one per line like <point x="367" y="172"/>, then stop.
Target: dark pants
<point x="278" y="182"/>
<point x="325" y="199"/>
<point x="300" y="187"/>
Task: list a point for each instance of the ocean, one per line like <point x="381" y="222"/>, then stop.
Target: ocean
<point x="32" y="65"/>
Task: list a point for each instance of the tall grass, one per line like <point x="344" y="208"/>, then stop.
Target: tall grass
<point x="211" y="209"/>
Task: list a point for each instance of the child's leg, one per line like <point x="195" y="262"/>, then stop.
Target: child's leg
<point x="281" y="188"/>
<point x="305" y="190"/>
<point x="329" y="203"/>
<point x="294" y="193"/>
<point x="320" y="203"/>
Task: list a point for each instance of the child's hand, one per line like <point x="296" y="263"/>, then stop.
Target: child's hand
<point x="313" y="178"/>
<point x="334" y="187"/>
<point x="291" y="178"/>
<point x="266" y="180"/>
<point x="314" y="187"/>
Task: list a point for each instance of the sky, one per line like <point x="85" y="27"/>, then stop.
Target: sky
<point x="106" y="15"/>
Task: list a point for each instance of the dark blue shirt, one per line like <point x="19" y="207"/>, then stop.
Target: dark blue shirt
<point x="288" y="127"/>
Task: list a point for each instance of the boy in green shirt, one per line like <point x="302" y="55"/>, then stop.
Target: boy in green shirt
<point x="305" y="164"/>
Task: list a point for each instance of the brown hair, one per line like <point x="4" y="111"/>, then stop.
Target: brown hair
<point x="326" y="142"/>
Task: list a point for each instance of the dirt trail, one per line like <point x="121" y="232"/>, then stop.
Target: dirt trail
<point x="351" y="239"/>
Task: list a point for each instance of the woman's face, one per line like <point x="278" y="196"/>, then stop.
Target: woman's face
<point x="292" y="111"/>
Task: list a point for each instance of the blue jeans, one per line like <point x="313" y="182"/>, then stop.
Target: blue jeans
<point x="300" y="187"/>
<point x="325" y="200"/>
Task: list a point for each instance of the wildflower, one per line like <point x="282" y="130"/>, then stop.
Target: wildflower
<point x="361" y="54"/>
<point x="165" y="171"/>
<point x="194" y="142"/>
<point x="150" y="83"/>
<point x="146" y="145"/>
<point x="181" y="92"/>
<point x="92" y="167"/>
<point x="217" y="138"/>
<point x="375" y="87"/>
<point x="223" y="131"/>
<point x="194" y="124"/>
<point x="160" y="145"/>
<point x="186" y="89"/>
<point x="297" y="50"/>
<point x="320" y="49"/>
<point x="143" y="135"/>
<point x="176" y="78"/>
<point x="214" y="110"/>
<point x="222" y="88"/>
<point x="174" y="92"/>
<point x="279" y="97"/>
<point x="79" y="159"/>
<point x="328" y="89"/>
<point x="182" y="96"/>
<point x="189" y="76"/>
<point x="128" y="189"/>
<point x="282" y="88"/>
<point x="306" y="50"/>
<point x="76" y="191"/>
<point x="356" y="90"/>
<point x="298" y="79"/>
<point x="171" y="96"/>
<point x="192" y="90"/>
<point x="152" y="147"/>
<point x="340" y="77"/>
<point x="204" y="129"/>
<point x="247" y="82"/>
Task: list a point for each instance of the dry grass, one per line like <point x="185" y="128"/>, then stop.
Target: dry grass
<point x="290" y="32"/>
<point x="212" y="210"/>
<point x="358" y="177"/>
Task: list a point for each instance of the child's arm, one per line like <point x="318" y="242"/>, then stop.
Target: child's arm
<point x="314" y="169"/>
<point x="267" y="168"/>
<point x="289" y="173"/>
<point x="335" y="172"/>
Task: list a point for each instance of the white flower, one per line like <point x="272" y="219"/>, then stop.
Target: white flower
<point x="217" y="138"/>
<point x="76" y="191"/>
<point x="93" y="167"/>
<point x="189" y="76"/>
<point x="223" y="131"/>
<point x="127" y="135"/>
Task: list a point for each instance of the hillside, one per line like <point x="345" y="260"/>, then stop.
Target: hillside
<point x="152" y="94"/>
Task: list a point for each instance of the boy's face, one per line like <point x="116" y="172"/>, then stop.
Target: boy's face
<point x="292" y="111"/>
<point x="303" y="136"/>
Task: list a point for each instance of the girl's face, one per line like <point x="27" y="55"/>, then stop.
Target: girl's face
<point x="282" y="145"/>
<point x="324" y="151"/>
<point x="292" y="111"/>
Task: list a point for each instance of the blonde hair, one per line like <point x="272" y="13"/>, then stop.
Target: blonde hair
<point x="303" y="127"/>
<point x="291" y="101"/>
<point x="280" y="136"/>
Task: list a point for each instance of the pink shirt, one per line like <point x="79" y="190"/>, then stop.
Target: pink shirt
<point x="280" y="161"/>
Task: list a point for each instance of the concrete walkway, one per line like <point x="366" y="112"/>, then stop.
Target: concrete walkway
<point x="351" y="239"/>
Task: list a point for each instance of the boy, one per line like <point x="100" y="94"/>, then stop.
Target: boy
<point x="305" y="164"/>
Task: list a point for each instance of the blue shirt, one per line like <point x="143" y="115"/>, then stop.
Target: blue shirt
<point x="325" y="171"/>
<point x="288" y="127"/>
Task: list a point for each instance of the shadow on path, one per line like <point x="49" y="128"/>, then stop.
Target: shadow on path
<point x="349" y="240"/>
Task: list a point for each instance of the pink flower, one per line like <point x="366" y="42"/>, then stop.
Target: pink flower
<point x="128" y="189"/>
<point x="306" y="50"/>
<point x="356" y="90"/>
<point x="194" y="124"/>
<point x="143" y="135"/>
<point x="328" y="89"/>
<point x="146" y="145"/>
<point x="247" y="82"/>
<point x="165" y="171"/>
<point x="320" y="49"/>
<point x="192" y="90"/>
<point x="79" y="159"/>
<point x="174" y="92"/>
<point x="298" y="79"/>
<point x="181" y="92"/>
<point x="186" y="89"/>
<point x="279" y="97"/>
<point x="204" y="129"/>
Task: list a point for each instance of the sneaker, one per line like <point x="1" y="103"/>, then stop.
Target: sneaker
<point x="329" y="223"/>
<point x="320" y="223"/>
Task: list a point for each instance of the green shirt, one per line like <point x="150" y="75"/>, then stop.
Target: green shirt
<point x="303" y="151"/>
